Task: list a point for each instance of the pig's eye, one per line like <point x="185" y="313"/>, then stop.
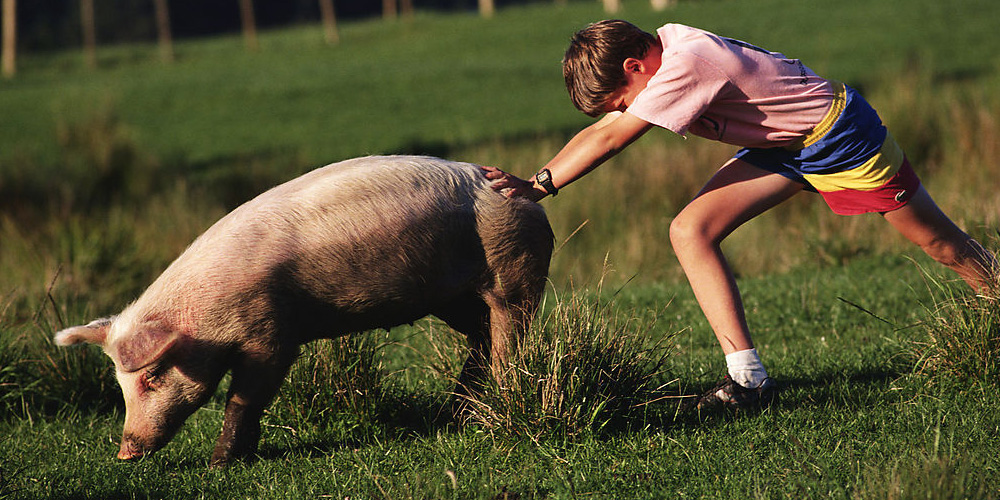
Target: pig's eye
<point x="150" y="380"/>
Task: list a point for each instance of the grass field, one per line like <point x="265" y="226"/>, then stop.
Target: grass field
<point x="889" y="388"/>
<point x="854" y="421"/>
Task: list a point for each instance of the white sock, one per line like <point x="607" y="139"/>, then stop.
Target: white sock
<point x="746" y="369"/>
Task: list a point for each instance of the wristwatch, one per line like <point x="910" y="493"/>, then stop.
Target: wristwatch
<point x="544" y="177"/>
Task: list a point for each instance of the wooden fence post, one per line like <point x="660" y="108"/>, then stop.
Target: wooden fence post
<point x="249" y="25"/>
<point x="486" y="8"/>
<point x="659" y="5"/>
<point x="163" y="30"/>
<point x="329" y="22"/>
<point x="89" y="27"/>
<point x="9" y="38"/>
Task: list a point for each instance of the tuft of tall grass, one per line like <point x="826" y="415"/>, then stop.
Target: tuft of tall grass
<point x="100" y="164"/>
<point x="582" y="369"/>
<point x="38" y="379"/>
<point x="929" y="478"/>
<point x="104" y="159"/>
<point x="963" y="338"/>
<point x="343" y="376"/>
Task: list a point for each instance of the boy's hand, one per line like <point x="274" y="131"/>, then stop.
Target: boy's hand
<point x="510" y="185"/>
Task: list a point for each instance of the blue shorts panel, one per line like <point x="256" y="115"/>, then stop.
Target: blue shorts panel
<point x="856" y="136"/>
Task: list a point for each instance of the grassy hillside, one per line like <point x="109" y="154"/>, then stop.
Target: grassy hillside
<point x="223" y="124"/>
<point x="440" y="81"/>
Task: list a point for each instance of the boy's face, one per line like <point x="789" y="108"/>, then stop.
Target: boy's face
<point x="637" y="73"/>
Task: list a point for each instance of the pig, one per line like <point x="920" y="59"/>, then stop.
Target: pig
<point x="363" y="244"/>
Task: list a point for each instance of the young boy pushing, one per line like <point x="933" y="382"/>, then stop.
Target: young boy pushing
<point x="799" y="132"/>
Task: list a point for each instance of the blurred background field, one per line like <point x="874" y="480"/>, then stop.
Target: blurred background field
<point x="107" y="174"/>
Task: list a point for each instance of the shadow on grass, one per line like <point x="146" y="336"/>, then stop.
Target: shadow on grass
<point x="822" y="389"/>
<point x="399" y="417"/>
<point x="413" y="416"/>
<point x="861" y="389"/>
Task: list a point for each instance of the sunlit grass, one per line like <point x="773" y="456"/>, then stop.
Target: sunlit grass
<point x="962" y="341"/>
<point x="584" y="368"/>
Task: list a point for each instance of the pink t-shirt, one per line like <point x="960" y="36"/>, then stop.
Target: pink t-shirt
<point x="731" y="91"/>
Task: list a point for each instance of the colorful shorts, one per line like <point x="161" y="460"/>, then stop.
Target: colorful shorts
<point x="849" y="158"/>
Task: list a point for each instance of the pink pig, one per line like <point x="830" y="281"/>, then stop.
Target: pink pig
<point x="362" y="244"/>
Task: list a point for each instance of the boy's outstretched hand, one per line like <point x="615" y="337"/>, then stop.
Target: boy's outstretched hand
<point x="510" y="185"/>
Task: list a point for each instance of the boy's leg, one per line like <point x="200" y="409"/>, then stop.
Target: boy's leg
<point x="737" y="193"/>
<point x="923" y="223"/>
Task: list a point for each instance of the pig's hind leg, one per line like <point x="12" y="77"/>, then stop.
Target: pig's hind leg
<point x="493" y="327"/>
<point x="470" y="316"/>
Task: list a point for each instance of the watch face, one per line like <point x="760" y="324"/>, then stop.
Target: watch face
<point x="544" y="177"/>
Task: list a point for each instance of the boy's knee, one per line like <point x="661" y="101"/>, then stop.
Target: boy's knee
<point x="684" y="232"/>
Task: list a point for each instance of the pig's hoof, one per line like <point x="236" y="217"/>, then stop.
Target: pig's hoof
<point x="229" y="457"/>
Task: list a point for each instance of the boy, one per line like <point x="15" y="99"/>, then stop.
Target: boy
<point x="798" y="130"/>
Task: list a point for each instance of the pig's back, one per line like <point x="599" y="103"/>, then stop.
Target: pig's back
<point x="392" y="234"/>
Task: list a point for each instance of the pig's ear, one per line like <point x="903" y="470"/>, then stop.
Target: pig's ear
<point x="95" y="332"/>
<point x="144" y="346"/>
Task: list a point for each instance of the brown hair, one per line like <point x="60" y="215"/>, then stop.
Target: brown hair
<point x="593" y="62"/>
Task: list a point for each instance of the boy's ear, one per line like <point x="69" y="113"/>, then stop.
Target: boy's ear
<point x="632" y="65"/>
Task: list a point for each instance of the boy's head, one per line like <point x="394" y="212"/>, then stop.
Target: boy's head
<point x="593" y="65"/>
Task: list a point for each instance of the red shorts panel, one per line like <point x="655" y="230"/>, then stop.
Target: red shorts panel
<point x="892" y="195"/>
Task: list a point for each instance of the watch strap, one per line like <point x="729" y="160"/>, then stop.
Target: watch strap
<point x="544" y="177"/>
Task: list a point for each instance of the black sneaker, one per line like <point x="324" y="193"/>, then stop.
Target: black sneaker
<point x="729" y="394"/>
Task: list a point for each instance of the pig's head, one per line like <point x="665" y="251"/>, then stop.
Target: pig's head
<point x="162" y="378"/>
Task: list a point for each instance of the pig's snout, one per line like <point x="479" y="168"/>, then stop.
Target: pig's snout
<point x="132" y="448"/>
<point x="129" y="451"/>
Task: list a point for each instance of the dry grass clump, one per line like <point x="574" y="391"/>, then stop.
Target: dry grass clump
<point x="963" y="332"/>
<point x="583" y="368"/>
<point x="342" y="376"/>
<point x="963" y="339"/>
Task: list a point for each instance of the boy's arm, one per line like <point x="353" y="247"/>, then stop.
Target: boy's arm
<point x="594" y="145"/>
<point x="587" y="150"/>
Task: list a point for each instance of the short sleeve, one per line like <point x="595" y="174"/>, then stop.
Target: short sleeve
<point x="680" y="91"/>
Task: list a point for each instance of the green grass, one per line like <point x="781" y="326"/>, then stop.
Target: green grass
<point x="586" y="368"/>
<point x="854" y="421"/>
<point x="438" y="81"/>
<point x="105" y="176"/>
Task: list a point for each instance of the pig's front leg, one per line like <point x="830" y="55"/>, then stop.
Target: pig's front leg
<point x="251" y="391"/>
